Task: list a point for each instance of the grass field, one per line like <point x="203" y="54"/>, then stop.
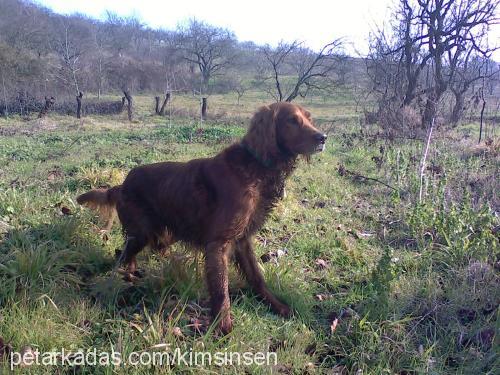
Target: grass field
<point x="380" y="282"/>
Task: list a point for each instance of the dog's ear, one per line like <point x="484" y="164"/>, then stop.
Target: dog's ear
<point x="261" y="135"/>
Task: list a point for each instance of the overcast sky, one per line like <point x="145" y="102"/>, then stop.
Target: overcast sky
<point x="263" y="21"/>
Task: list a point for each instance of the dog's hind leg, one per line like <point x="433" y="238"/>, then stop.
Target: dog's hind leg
<point x="127" y="258"/>
<point x="139" y="232"/>
<point x="216" y="271"/>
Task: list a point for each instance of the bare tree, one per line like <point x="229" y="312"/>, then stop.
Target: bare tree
<point x="160" y="110"/>
<point x="469" y="69"/>
<point x="79" y="105"/>
<point x="130" y="103"/>
<point x="310" y="70"/>
<point x="49" y="103"/>
<point x="240" y="89"/>
<point x="101" y="56"/>
<point x="69" y="47"/>
<point x="164" y="104"/>
<point x="430" y="37"/>
<point x="209" y="48"/>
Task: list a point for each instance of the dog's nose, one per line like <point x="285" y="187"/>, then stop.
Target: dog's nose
<point x="321" y="138"/>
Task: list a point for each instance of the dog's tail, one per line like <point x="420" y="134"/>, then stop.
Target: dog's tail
<point x="104" y="202"/>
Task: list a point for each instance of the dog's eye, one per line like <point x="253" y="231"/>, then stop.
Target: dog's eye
<point x="294" y="120"/>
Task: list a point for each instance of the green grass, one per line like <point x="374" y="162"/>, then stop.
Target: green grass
<point x="414" y="286"/>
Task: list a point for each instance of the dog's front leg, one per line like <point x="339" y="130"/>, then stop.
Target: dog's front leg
<point x="216" y="269"/>
<point x="247" y="263"/>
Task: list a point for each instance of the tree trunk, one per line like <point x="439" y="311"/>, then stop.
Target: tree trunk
<point x="79" y="105"/>
<point x="6" y="108"/>
<point x="481" y="120"/>
<point x="123" y="104"/>
<point x="205" y="82"/>
<point x="203" y="108"/>
<point x="157" y="105"/>
<point x="458" y="108"/>
<point x="429" y="112"/>
<point x="20" y="100"/>
<point x="410" y="93"/>
<point x="431" y="106"/>
<point x="99" y="80"/>
<point x="424" y="158"/>
<point x="129" y="104"/>
<point x="49" y="103"/>
<point x="165" y="101"/>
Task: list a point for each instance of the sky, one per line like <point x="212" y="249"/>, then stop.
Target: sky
<point x="315" y="22"/>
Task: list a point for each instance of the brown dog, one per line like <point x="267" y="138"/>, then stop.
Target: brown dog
<point x="217" y="203"/>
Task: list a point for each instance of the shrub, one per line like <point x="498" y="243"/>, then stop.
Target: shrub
<point x="404" y="120"/>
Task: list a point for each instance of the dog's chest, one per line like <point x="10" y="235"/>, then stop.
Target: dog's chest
<point x="265" y="198"/>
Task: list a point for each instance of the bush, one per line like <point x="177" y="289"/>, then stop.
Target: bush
<point x="404" y="120"/>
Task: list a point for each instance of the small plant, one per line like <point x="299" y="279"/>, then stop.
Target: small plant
<point x="457" y="231"/>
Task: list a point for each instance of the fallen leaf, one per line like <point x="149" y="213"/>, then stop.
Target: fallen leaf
<point x="365" y="234"/>
<point x="281" y="252"/>
<point x="349" y="313"/>
<point x="353" y="233"/>
<point x="321" y="264"/>
<point x="281" y="369"/>
<point x="322" y="297"/>
<point x="136" y="326"/>
<point x="14" y="182"/>
<point x="489" y="308"/>
<point x="310" y="368"/>
<point x="85" y="324"/>
<point x="339" y="370"/>
<point x="310" y="349"/>
<point x="273" y="255"/>
<point x="466" y="315"/>
<point x="65" y="210"/>
<point x="421" y="349"/>
<point x="161" y="346"/>
<point x="53" y="174"/>
<point x="4" y="227"/>
<point x="341" y="170"/>
<point x="333" y="326"/>
<point x="320" y="204"/>
<point x="276" y="344"/>
<point x="197" y="325"/>
<point x="484" y="338"/>
<point x="176" y="331"/>
<point x="266" y="257"/>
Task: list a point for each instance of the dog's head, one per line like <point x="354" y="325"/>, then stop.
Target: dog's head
<point x="283" y="130"/>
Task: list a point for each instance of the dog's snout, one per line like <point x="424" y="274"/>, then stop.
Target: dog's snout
<point x="321" y="138"/>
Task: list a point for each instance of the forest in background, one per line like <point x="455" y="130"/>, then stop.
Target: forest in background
<point x="419" y="66"/>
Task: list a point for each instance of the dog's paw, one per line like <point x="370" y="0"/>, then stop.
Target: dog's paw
<point x="130" y="276"/>
<point x="282" y="310"/>
<point x="225" y="325"/>
<point x="138" y="273"/>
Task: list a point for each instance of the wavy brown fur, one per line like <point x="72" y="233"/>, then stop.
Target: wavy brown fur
<point x="217" y="203"/>
<point x="104" y="201"/>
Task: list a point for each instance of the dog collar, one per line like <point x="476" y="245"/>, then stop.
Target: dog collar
<point x="267" y="163"/>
